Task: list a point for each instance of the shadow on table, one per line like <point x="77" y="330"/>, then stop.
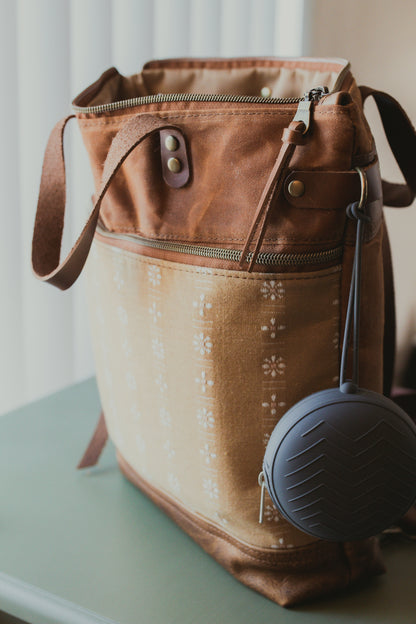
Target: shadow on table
<point x="387" y="598"/>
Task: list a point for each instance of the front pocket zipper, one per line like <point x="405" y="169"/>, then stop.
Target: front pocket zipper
<point x="265" y="258"/>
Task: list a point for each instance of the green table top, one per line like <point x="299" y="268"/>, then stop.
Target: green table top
<point x="86" y="547"/>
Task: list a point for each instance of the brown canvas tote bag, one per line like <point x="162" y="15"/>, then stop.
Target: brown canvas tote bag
<point x="222" y="253"/>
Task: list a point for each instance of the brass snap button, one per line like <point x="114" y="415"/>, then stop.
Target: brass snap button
<point x="174" y="165"/>
<point x="266" y="92"/>
<point x="171" y="143"/>
<point x="296" y="188"/>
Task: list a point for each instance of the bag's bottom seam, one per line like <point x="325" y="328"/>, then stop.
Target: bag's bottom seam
<point x="293" y="555"/>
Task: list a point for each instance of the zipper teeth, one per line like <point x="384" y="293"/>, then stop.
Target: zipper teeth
<point x="183" y="97"/>
<point x="266" y="258"/>
<point x="199" y="97"/>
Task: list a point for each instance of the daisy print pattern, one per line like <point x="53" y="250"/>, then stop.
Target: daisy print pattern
<point x="203" y="270"/>
<point x="170" y="451"/>
<point x="202" y="344"/>
<point x="154" y="275"/>
<point x="271" y="514"/>
<point x="161" y="383"/>
<point x="274" y="366"/>
<point x="272" y="328"/>
<point x="220" y="518"/>
<point x="201" y="305"/>
<point x="205" y="418"/>
<point x="118" y="279"/>
<point x="207" y="453"/>
<point x="155" y="313"/>
<point x="272" y="290"/>
<point x="210" y="488"/>
<point x="158" y="348"/>
<point x="204" y="382"/>
<point x="272" y="405"/>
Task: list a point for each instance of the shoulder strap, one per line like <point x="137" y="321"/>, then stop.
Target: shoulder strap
<point x="49" y="222"/>
<point x="401" y="136"/>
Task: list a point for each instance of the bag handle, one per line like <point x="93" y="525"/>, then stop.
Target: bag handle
<point x="49" y="222"/>
<point x="401" y="136"/>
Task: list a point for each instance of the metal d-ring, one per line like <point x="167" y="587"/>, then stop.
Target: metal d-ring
<point x="364" y="187"/>
<point x="355" y="210"/>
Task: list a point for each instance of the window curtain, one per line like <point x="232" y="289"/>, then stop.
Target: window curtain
<point x="49" y="51"/>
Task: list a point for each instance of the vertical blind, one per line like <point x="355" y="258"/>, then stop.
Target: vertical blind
<point x="49" y="51"/>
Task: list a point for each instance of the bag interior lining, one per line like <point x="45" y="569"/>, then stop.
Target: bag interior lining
<point x="283" y="78"/>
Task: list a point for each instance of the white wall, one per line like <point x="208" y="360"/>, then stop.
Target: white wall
<point x="50" y="51"/>
<point x="378" y="37"/>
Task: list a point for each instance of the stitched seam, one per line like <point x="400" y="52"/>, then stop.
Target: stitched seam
<point x="315" y="546"/>
<point x="208" y="117"/>
<point x="91" y="123"/>
<point x="179" y="237"/>
<point x="134" y="258"/>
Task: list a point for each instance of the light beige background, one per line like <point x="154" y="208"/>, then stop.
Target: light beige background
<point x="378" y="37"/>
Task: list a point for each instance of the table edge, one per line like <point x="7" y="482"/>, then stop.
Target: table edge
<point x="33" y="604"/>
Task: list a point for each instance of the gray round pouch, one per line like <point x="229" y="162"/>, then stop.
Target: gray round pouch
<point x="341" y="464"/>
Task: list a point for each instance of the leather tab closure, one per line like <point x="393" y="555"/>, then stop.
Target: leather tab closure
<point x="174" y="155"/>
<point x="331" y="190"/>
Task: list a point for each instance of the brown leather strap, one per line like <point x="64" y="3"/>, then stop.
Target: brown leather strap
<point x="401" y="136"/>
<point x="292" y="136"/>
<point x="96" y="444"/>
<point x="49" y="222"/>
<point x="332" y="190"/>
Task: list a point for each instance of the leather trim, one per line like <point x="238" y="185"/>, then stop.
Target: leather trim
<point x="332" y="190"/>
<point x="50" y="213"/>
<point x="96" y="445"/>
<point x="286" y="577"/>
<point x="179" y="179"/>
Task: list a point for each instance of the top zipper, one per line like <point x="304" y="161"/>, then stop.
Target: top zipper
<point x="314" y="95"/>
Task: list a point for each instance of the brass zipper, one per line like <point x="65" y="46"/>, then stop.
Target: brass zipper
<point x="181" y="97"/>
<point x="312" y="95"/>
<point x="265" y="258"/>
<point x="201" y="97"/>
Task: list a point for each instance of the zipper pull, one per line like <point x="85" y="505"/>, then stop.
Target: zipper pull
<point x="303" y="112"/>
<point x="262" y="484"/>
<point x="314" y="95"/>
